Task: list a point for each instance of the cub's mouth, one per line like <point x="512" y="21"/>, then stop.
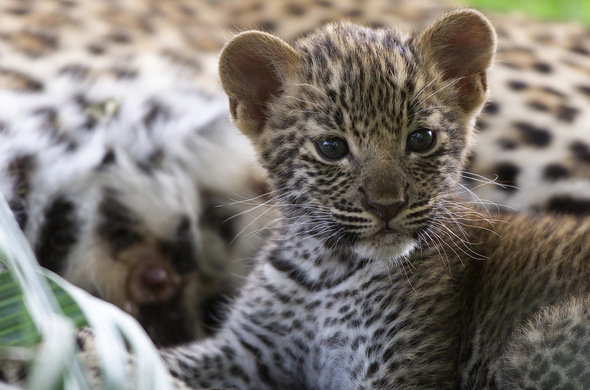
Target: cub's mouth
<point x="387" y="243"/>
<point x="387" y="236"/>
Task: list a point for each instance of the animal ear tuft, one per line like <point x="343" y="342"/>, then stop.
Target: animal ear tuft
<point x="253" y="68"/>
<point x="462" y="45"/>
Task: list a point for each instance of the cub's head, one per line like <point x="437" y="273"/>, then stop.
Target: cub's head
<point x="363" y="132"/>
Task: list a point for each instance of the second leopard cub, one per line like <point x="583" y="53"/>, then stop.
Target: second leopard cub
<point x="379" y="277"/>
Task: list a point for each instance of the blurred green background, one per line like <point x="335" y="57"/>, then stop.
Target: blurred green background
<point x="542" y="9"/>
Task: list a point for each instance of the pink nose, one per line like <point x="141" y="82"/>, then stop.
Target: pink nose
<point x="385" y="212"/>
<point x="151" y="282"/>
<point x="155" y="277"/>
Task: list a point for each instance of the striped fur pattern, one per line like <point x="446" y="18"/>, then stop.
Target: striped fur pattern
<point x="108" y="187"/>
<point x="114" y="138"/>
<point x="351" y="294"/>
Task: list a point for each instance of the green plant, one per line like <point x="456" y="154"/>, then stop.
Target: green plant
<point x="543" y="9"/>
<point x="39" y="315"/>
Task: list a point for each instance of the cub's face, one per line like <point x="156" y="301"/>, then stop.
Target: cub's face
<point x="363" y="132"/>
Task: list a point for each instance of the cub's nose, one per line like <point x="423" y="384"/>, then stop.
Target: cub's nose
<point x="384" y="211"/>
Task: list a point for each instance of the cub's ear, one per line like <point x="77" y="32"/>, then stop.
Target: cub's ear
<point x="253" y="68"/>
<point x="462" y="45"/>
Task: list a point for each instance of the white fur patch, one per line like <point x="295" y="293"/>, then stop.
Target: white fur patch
<point x="388" y="252"/>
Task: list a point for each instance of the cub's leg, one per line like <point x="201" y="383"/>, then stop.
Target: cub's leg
<point x="244" y="354"/>
<point x="551" y="352"/>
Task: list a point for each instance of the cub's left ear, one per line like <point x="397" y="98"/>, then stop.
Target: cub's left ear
<point x="254" y="68"/>
<point x="462" y="45"/>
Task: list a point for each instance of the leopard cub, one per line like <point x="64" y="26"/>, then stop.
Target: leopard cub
<point x="379" y="277"/>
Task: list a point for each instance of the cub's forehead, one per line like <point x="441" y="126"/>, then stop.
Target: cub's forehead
<point x="349" y="49"/>
<point x="371" y="76"/>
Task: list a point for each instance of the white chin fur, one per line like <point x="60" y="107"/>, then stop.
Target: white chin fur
<point x="389" y="252"/>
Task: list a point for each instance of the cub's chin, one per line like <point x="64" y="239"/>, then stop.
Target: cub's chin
<point x="385" y="246"/>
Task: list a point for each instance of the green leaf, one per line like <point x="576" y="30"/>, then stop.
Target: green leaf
<point x="16" y="326"/>
<point x="67" y="305"/>
<point x="34" y="328"/>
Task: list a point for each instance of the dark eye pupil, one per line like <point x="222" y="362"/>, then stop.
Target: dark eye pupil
<point x="421" y="140"/>
<point x="332" y="148"/>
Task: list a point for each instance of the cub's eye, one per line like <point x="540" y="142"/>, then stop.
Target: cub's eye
<point x="332" y="149"/>
<point x="421" y="141"/>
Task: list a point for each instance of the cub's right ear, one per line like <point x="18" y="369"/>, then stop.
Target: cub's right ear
<point x="462" y="45"/>
<point x="253" y="68"/>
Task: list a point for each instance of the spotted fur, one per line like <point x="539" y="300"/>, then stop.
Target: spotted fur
<point x="532" y="134"/>
<point x="537" y="111"/>
<point x="380" y="277"/>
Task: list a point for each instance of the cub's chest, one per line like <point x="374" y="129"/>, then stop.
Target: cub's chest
<point x="356" y="325"/>
<point x="337" y="329"/>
